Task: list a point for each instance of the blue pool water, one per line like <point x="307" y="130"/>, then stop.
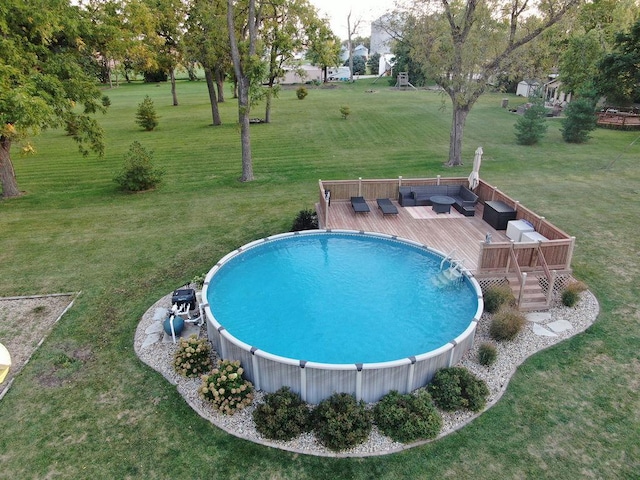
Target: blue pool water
<point x="339" y="298"/>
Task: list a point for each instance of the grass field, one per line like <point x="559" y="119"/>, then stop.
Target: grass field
<point x="572" y="411"/>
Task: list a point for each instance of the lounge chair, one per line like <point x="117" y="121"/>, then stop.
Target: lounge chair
<point x="387" y="207"/>
<point x="359" y="205"/>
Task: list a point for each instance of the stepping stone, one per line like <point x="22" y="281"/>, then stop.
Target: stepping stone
<point x="190" y="329"/>
<point x="150" y="340"/>
<point x="542" y="332"/>
<point x="560" y="326"/>
<point x="155" y="327"/>
<point x="160" y="314"/>
<point x="538" y="317"/>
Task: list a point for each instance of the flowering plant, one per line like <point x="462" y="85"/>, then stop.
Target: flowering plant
<point x="192" y="358"/>
<point x="225" y="388"/>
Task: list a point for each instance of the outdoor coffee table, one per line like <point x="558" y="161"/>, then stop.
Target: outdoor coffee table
<point x="442" y="203"/>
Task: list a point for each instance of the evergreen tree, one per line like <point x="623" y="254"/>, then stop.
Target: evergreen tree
<point x="532" y="126"/>
<point x="579" y="121"/>
<point x="146" y="115"/>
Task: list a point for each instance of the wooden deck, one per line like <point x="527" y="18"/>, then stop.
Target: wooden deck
<point x="444" y="232"/>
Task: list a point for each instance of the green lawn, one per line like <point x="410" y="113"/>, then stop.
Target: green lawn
<point x="572" y="411"/>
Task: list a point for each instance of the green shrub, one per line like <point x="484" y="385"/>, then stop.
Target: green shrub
<point x="301" y="93"/>
<point x="282" y="416"/>
<point x="497" y="296"/>
<point x="579" y="121"/>
<point x="225" y="388"/>
<point x="146" y="115"/>
<point x="345" y="111"/>
<point x="506" y="324"/>
<point x="409" y="417"/>
<point x="340" y="422"/>
<point x="305" y="220"/>
<point x="192" y="358"/>
<point x="138" y="173"/>
<point x="571" y="293"/>
<point x="455" y="388"/>
<point x="487" y="354"/>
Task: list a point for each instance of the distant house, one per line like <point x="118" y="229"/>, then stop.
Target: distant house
<point x="553" y="93"/>
<point x="359" y="51"/>
<point x="526" y="88"/>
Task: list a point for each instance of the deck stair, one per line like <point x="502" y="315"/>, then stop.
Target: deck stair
<point x="533" y="296"/>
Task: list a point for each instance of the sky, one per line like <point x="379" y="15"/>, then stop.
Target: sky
<point x="365" y="10"/>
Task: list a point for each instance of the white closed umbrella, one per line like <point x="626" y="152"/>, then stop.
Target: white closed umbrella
<point x="5" y="362"/>
<point x="474" y="177"/>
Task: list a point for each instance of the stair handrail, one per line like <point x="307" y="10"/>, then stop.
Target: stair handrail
<point x="543" y="262"/>
<point x="547" y="273"/>
<point x="512" y="255"/>
<point x="449" y="257"/>
<point x="522" y="277"/>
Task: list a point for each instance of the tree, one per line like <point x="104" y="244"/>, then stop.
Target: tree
<point x="579" y="120"/>
<point x="579" y="64"/>
<point x="168" y="16"/>
<point x="107" y="37"/>
<point x="324" y="45"/>
<point x="247" y="65"/>
<point x="374" y="63"/>
<point x="146" y="115"/>
<point x="593" y="34"/>
<point x="42" y="81"/>
<point x="283" y="32"/>
<point x="350" y="32"/>
<point x="207" y="41"/>
<point x="358" y="65"/>
<point x="532" y="125"/>
<point x="462" y="44"/>
<point x="619" y="72"/>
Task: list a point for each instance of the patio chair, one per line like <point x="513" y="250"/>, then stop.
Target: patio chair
<point x="359" y="205"/>
<point x="387" y="207"/>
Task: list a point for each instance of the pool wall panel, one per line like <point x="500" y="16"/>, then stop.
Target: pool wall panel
<point x="324" y="383"/>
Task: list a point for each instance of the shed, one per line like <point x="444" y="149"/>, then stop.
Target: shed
<point x="301" y="74"/>
<point x="526" y="88"/>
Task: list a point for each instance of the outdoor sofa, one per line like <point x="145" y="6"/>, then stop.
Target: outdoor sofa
<point x="465" y="199"/>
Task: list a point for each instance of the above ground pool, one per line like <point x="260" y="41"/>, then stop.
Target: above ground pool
<point x="326" y="311"/>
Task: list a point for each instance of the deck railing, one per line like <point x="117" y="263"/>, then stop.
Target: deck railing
<point x="494" y="258"/>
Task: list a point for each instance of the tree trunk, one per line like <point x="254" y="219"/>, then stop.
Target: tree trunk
<point x="350" y="47"/>
<point x="267" y="109"/>
<point x="457" y="129"/>
<point x="7" y="175"/>
<point x="219" y="75"/>
<point x="172" y="74"/>
<point x="245" y="137"/>
<point x="211" y="86"/>
<point x="242" y="81"/>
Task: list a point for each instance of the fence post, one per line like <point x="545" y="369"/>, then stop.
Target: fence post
<point x="359" y="186"/>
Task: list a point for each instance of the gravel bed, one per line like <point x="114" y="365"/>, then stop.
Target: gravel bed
<point x="159" y="356"/>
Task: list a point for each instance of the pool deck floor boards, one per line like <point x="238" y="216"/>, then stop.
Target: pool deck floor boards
<point x="444" y="232"/>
